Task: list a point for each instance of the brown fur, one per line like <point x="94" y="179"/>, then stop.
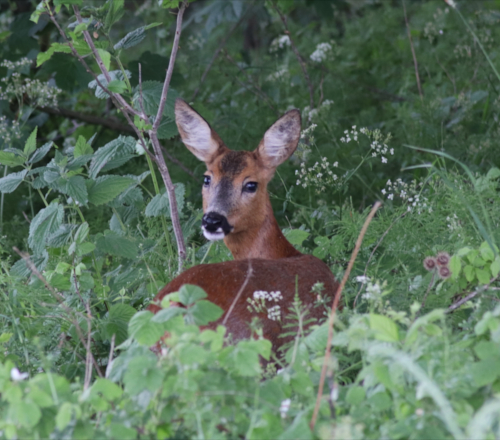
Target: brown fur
<point x="255" y="238"/>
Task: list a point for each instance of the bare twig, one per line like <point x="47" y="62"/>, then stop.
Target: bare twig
<point x="334" y="309"/>
<point x="111" y="351"/>
<point x="242" y="288"/>
<point x="216" y="53"/>
<point x="373" y="253"/>
<point x="297" y="55"/>
<point x="471" y="295"/>
<point x="417" y="76"/>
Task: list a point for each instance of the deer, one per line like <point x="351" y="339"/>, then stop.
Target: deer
<point x="237" y="209"/>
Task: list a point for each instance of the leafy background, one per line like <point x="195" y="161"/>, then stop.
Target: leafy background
<point x="79" y="196"/>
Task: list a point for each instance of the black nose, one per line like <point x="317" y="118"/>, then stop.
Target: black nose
<point x="212" y="221"/>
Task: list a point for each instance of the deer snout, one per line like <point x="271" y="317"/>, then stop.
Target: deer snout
<point x="215" y="226"/>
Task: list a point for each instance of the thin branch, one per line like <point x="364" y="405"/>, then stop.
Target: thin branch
<point x="334" y="309"/>
<point x="415" y="62"/>
<point x="471" y="295"/>
<point x="111" y="351"/>
<point x="242" y="288"/>
<point x="373" y="253"/>
<point x="170" y="69"/>
<point x="88" y="39"/>
<point x="216" y="54"/>
<point x="298" y="56"/>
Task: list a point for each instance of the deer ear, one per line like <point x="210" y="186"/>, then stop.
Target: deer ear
<point x="281" y="140"/>
<point x="196" y="134"/>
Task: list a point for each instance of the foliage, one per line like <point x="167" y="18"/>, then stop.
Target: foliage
<point x="82" y="196"/>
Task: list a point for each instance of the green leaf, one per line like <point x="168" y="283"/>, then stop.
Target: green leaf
<point x="114" y="244"/>
<point x="455" y="266"/>
<point x="495" y="267"/>
<point x="30" y="145"/>
<point x="160" y="205"/>
<point x="168" y="313"/>
<point x="142" y="374"/>
<point x="134" y="37"/>
<point x="486" y="251"/>
<point x="23" y="413"/>
<point x="487" y="350"/>
<point x="385" y="328"/>
<point x="144" y="330"/>
<point x="82" y="148"/>
<point x="116" y="324"/>
<point x="151" y="94"/>
<point x="493" y="173"/>
<point x="483" y="275"/>
<point x="296" y="236"/>
<point x="106" y="59"/>
<point x="42" y="57"/>
<point x="469" y="272"/>
<point x="107" y="188"/>
<point x="10" y="182"/>
<point x="113" y="74"/>
<point x="46" y="222"/>
<point x="11" y="159"/>
<point x="115" y="12"/>
<point x="485" y="372"/>
<point x="117" y="86"/>
<point x="205" y="312"/>
<point x="40" y="153"/>
<point x="355" y="395"/>
<point x="189" y="293"/>
<point x="68" y="2"/>
<point x="75" y="188"/>
<point x="121" y="147"/>
<point x="167" y="129"/>
<point x="299" y="429"/>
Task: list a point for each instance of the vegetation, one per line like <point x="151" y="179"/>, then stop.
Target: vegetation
<point x="399" y="102"/>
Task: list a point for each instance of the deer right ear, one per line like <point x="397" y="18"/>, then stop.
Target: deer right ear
<point x="196" y="134"/>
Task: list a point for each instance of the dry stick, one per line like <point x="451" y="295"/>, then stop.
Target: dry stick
<point x="58" y="297"/>
<point x="242" y="288"/>
<point x="471" y="295"/>
<point x="334" y="308"/>
<point x="111" y="350"/>
<point x="174" y="215"/>
<point x="216" y="54"/>
<point x="413" y="53"/>
<point x="373" y="253"/>
<point x="297" y="55"/>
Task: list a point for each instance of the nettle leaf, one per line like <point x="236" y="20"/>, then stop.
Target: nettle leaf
<point x="117" y="322"/>
<point x="82" y="148"/>
<point x="114" y="244"/>
<point x="46" y="222"/>
<point x="160" y="205"/>
<point x="75" y="188"/>
<point x="115" y="12"/>
<point x="10" y="182"/>
<point x="167" y="129"/>
<point x="11" y="159"/>
<point x="40" y="153"/>
<point x="21" y="270"/>
<point x="30" y="145"/>
<point x="151" y="94"/>
<point x="144" y="330"/>
<point x="134" y="37"/>
<point x="123" y="146"/>
<point x="106" y="188"/>
<point x="114" y="75"/>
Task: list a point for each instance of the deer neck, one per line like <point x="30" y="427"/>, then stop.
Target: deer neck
<point x="262" y="241"/>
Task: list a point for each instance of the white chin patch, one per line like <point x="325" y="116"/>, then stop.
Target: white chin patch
<point x="213" y="236"/>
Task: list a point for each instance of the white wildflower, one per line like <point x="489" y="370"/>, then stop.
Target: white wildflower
<point x="321" y="53"/>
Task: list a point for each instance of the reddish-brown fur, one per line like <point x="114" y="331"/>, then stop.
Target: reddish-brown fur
<point x="255" y="239"/>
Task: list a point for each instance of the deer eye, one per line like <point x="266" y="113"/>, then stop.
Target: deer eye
<point x="250" y="187"/>
<point x="206" y="180"/>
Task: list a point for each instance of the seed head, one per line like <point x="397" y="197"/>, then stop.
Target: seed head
<point x="430" y="263"/>
<point x="444" y="272"/>
<point x="443" y="258"/>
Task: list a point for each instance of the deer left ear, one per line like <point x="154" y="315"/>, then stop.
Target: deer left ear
<point x="281" y="140"/>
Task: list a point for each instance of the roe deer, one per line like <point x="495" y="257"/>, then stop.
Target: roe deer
<point x="237" y="209"/>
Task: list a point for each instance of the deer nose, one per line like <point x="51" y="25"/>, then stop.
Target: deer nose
<point x="214" y="222"/>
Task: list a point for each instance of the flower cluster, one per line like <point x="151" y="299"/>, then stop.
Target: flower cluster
<point x="378" y="143"/>
<point x="195" y="42"/>
<point x="279" y="43"/>
<point x="320" y="175"/>
<point x="323" y="51"/>
<point x="409" y="193"/>
<point x="14" y="65"/>
<point x="9" y="132"/>
<point x="279" y="75"/>
<point x="5" y="20"/>
<point x="258" y="304"/>
<point x="40" y="94"/>
<point x="439" y="263"/>
<point x="311" y="114"/>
